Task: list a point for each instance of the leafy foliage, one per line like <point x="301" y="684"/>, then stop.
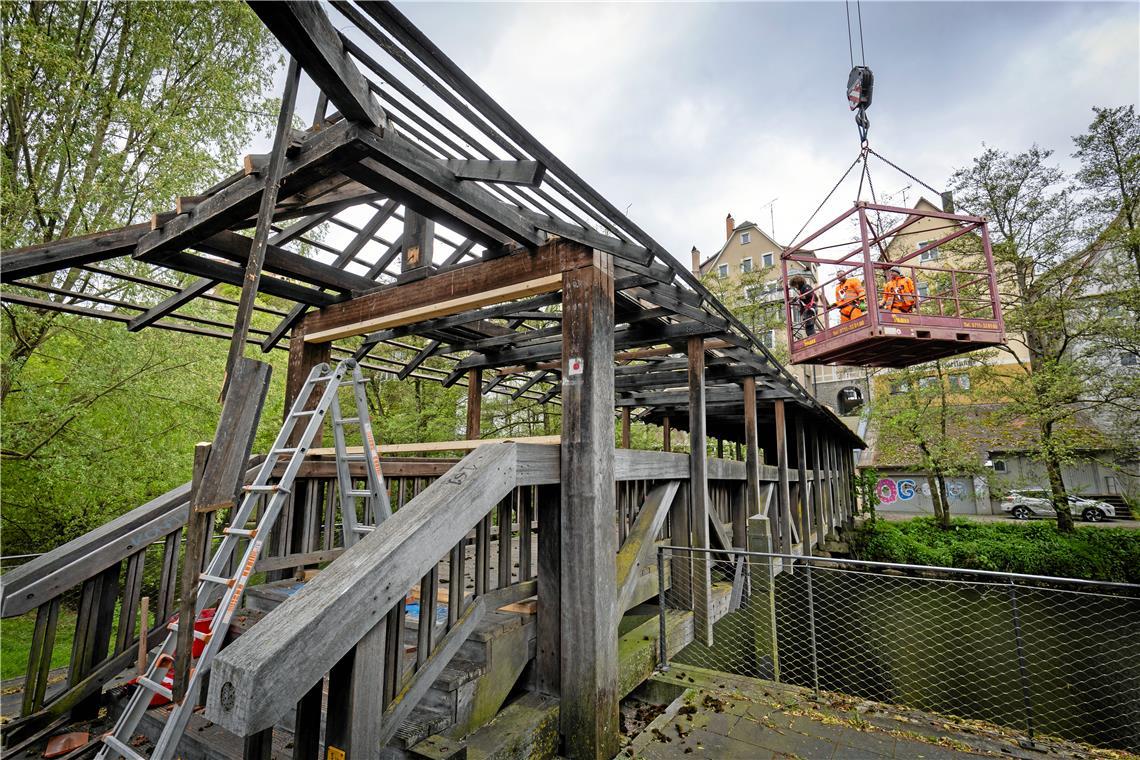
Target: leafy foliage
<point x="1107" y="554"/>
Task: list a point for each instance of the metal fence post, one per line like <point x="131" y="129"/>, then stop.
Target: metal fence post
<point x="811" y="629"/>
<point x="663" y="658"/>
<point x="1022" y="667"/>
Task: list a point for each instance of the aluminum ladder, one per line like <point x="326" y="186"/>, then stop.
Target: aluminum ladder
<point x="218" y="579"/>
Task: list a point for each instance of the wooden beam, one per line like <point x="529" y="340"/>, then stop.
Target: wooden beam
<point x="638" y="550"/>
<point x="438" y="446"/>
<point x="623" y="250"/>
<point x="237" y="247"/>
<point x="464" y="287"/>
<point x="548" y="636"/>
<point x="528" y="173"/>
<point x="306" y="32"/>
<point x="625" y="432"/>
<point x="699" y="494"/>
<point x="33" y="260"/>
<point x="184" y="296"/>
<point x="589" y="700"/>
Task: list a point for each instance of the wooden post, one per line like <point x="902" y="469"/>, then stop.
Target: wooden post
<point x="666" y="435"/>
<point x="751" y="461"/>
<point x="302" y="358"/>
<point x="273" y="172"/>
<point x="625" y="427"/>
<point x="819" y="498"/>
<point x="197" y="534"/>
<point x="417" y="251"/>
<point x="783" y="491"/>
<point x="548" y="646"/>
<point x="474" y="402"/>
<point x="804" y="483"/>
<point x="699" y="492"/>
<point x="589" y="682"/>
<point x="144" y="629"/>
<point x="833" y="483"/>
<point x="307" y="724"/>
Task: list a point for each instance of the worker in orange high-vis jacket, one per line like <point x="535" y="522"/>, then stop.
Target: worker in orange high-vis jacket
<point x="898" y="294"/>
<point x="849" y="299"/>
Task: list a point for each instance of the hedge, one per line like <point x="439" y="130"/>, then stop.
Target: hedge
<point x="1107" y="554"/>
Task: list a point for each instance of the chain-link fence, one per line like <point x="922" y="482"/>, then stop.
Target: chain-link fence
<point x="1044" y="656"/>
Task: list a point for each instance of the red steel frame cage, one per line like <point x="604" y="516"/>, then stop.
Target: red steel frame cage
<point x="962" y="314"/>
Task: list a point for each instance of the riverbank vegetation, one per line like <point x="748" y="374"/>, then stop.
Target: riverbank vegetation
<point x="1106" y="554"/>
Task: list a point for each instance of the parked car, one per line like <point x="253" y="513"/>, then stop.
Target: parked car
<point x="1027" y="503"/>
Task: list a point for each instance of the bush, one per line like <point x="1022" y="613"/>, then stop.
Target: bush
<point x="1106" y="554"/>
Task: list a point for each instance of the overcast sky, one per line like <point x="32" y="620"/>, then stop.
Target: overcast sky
<point x="683" y="112"/>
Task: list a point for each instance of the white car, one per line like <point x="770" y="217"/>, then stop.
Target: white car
<point x="1024" y="504"/>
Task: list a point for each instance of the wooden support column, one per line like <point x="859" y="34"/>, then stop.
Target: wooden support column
<point x="751" y="460"/>
<point x="833" y="479"/>
<point x="804" y="485"/>
<point x="356" y="697"/>
<point x="307" y="724"/>
<point x="302" y="358"/>
<point x="474" y="402"/>
<point x="625" y="433"/>
<point x="197" y="535"/>
<point x="699" y="492"/>
<point x="783" y="489"/>
<point x="666" y="435"/>
<point x="264" y="218"/>
<point x="819" y="497"/>
<point x="589" y="679"/>
<point x="548" y="645"/>
<point x="419" y="245"/>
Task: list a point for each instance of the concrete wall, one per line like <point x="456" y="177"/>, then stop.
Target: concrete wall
<point x="906" y="491"/>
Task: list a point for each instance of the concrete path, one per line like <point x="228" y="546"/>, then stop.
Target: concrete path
<point x="726" y="717"/>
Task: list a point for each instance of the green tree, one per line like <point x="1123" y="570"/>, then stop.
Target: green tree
<point x="1109" y="153"/>
<point x="1034" y="225"/>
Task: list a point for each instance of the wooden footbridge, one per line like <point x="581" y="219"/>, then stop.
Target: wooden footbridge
<point x="502" y="578"/>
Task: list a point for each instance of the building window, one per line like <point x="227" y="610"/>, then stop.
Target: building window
<point x="930" y="255"/>
<point x="768" y="259"/>
<point x="722" y="271"/>
<point x="1128" y="359"/>
<point x="927" y="382"/>
<point x="746" y="266"/>
<point x="999" y="465"/>
<point x="745" y="238"/>
<point x="961" y="382"/>
<point x="901" y="387"/>
<point x="769" y="339"/>
<point x="923" y="290"/>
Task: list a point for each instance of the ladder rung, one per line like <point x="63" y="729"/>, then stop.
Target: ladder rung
<point x="275" y="488"/>
<point x="284" y="451"/>
<point x="348" y="421"/>
<point x="122" y="747"/>
<point x="156" y="687"/>
<point x="216" y="579"/>
<point x="240" y="532"/>
<point x="354" y="458"/>
<point x="306" y="413"/>
<point x="359" y="493"/>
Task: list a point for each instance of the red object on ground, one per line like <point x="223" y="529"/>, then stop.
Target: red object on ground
<point x="201" y="625"/>
<point x="58" y="746"/>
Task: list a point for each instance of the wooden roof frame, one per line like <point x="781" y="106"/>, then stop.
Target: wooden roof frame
<point x="475" y="182"/>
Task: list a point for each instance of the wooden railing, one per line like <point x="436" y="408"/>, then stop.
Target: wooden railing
<point x="442" y="548"/>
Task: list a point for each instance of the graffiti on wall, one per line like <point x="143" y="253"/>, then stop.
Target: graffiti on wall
<point x="891" y="490"/>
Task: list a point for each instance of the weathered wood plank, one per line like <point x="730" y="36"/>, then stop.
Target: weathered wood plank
<point x="527" y="173"/>
<point x="267" y="670"/>
<point x="548" y="646"/>
<point x="17" y="263"/>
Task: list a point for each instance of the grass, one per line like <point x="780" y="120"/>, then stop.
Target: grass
<point x="16" y="640"/>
